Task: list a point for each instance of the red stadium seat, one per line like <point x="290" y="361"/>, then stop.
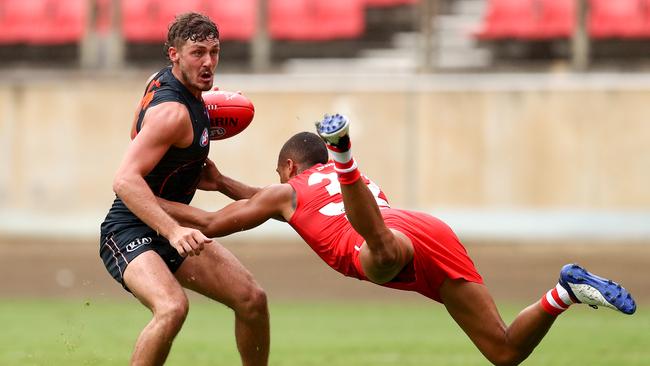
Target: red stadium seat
<point x="388" y="3"/>
<point x="645" y="5"/>
<point x="557" y="18"/>
<point x="6" y="33"/>
<point x="236" y="19"/>
<point x="618" y="19"/>
<point x="140" y="21"/>
<point x="60" y="22"/>
<point x="316" y="20"/>
<point x="42" y="22"/>
<point x="148" y="20"/>
<point x="339" y="19"/>
<point x="290" y="19"/>
<point x="511" y="19"/>
<point x="4" y="22"/>
<point x="549" y="19"/>
<point x="19" y="18"/>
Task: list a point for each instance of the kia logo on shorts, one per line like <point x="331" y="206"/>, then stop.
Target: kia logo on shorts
<point x="137" y="243"/>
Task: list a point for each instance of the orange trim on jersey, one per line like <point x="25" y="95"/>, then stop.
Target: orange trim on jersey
<point x="148" y="97"/>
<point x="144" y="103"/>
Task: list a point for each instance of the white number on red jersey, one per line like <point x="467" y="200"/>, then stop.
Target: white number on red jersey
<point x="333" y="188"/>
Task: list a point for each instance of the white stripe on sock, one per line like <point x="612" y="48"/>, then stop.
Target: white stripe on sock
<point x="564" y="295"/>
<point x="341" y="157"/>
<point x="551" y="301"/>
<point x="346" y="170"/>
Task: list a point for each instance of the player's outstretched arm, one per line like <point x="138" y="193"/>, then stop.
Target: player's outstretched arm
<point x="274" y="201"/>
<point x="213" y="180"/>
<point x="237" y="190"/>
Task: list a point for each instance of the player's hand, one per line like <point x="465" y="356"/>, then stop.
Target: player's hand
<point x="210" y="177"/>
<point x="188" y="241"/>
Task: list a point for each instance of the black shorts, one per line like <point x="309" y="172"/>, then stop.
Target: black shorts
<point x="118" y="249"/>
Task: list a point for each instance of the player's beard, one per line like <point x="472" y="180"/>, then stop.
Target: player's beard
<point x="189" y="81"/>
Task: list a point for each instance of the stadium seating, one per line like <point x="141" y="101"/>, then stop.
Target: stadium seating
<point x="552" y="19"/>
<point x="316" y="20"/>
<point x="557" y="19"/>
<point x="289" y="19"/>
<point x="618" y="19"/>
<point x="306" y="20"/>
<point x="236" y="19"/>
<point x="387" y="3"/>
<point x="511" y="19"/>
<point x="147" y="20"/>
<point x="45" y="22"/>
<point x="15" y="17"/>
<point x="60" y="22"/>
<point x="340" y="19"/>
<point x="140" y="21"/>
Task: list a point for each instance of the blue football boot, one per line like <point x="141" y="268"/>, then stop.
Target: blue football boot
<point x="334" y="131"/>
<point x="595" y="291"/>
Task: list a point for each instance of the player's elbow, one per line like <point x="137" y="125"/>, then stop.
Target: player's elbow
<point x="208" y="225"/>
<point x="209" y="231"/>
<point x="126" y="181"/>
<point x="120" y="184"/>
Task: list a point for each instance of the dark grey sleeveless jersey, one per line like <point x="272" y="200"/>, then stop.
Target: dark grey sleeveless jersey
<point x="177" y="175"/>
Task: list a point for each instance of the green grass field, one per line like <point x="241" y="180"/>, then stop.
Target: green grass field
<point x="317" y="334"/>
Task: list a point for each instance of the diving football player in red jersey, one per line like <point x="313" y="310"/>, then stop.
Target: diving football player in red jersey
<point x="346" y="220"/>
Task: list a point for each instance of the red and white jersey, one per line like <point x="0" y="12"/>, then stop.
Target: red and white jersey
<point x="321" y="222"/>
<point x="320" y="217"/>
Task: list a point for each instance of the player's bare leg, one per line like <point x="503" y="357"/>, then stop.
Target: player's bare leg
<point x="471" y="305"/>
<point x="151" y="282"/>
<point x="385" y="251"/>
<point x="217" y="274"/>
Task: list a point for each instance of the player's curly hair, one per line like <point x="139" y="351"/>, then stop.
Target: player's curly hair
<point x="306" y="149"/>
<point x="192" y="26"/>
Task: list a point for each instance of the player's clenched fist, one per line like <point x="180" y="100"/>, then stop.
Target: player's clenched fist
<point x="188" y="241"/>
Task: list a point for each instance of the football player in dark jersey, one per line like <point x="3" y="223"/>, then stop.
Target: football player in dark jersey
<point x="146" y="250"/>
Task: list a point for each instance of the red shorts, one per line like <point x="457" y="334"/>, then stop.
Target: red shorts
<point x="437" y="254"/>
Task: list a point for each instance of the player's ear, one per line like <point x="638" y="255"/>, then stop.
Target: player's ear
<point x="293" y="168"/>
<point x="172" y="53"/>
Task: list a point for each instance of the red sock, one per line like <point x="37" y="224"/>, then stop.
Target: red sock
<point x="347" y="172"/>
<point x="557" y="300"/>
<point x="344" y="165"/>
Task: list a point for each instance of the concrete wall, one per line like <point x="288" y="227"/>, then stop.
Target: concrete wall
<point x="478" y="142"/>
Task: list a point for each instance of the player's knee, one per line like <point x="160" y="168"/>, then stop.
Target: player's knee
<point x="380" y="266"/>
<point x="253" y="305"/>
<point x="172" y="312"/>
<point x="385" y="258"/>
<point x="386" y="251"/>
<point x="382" y="263"/>
<point x="506" y="357"/>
